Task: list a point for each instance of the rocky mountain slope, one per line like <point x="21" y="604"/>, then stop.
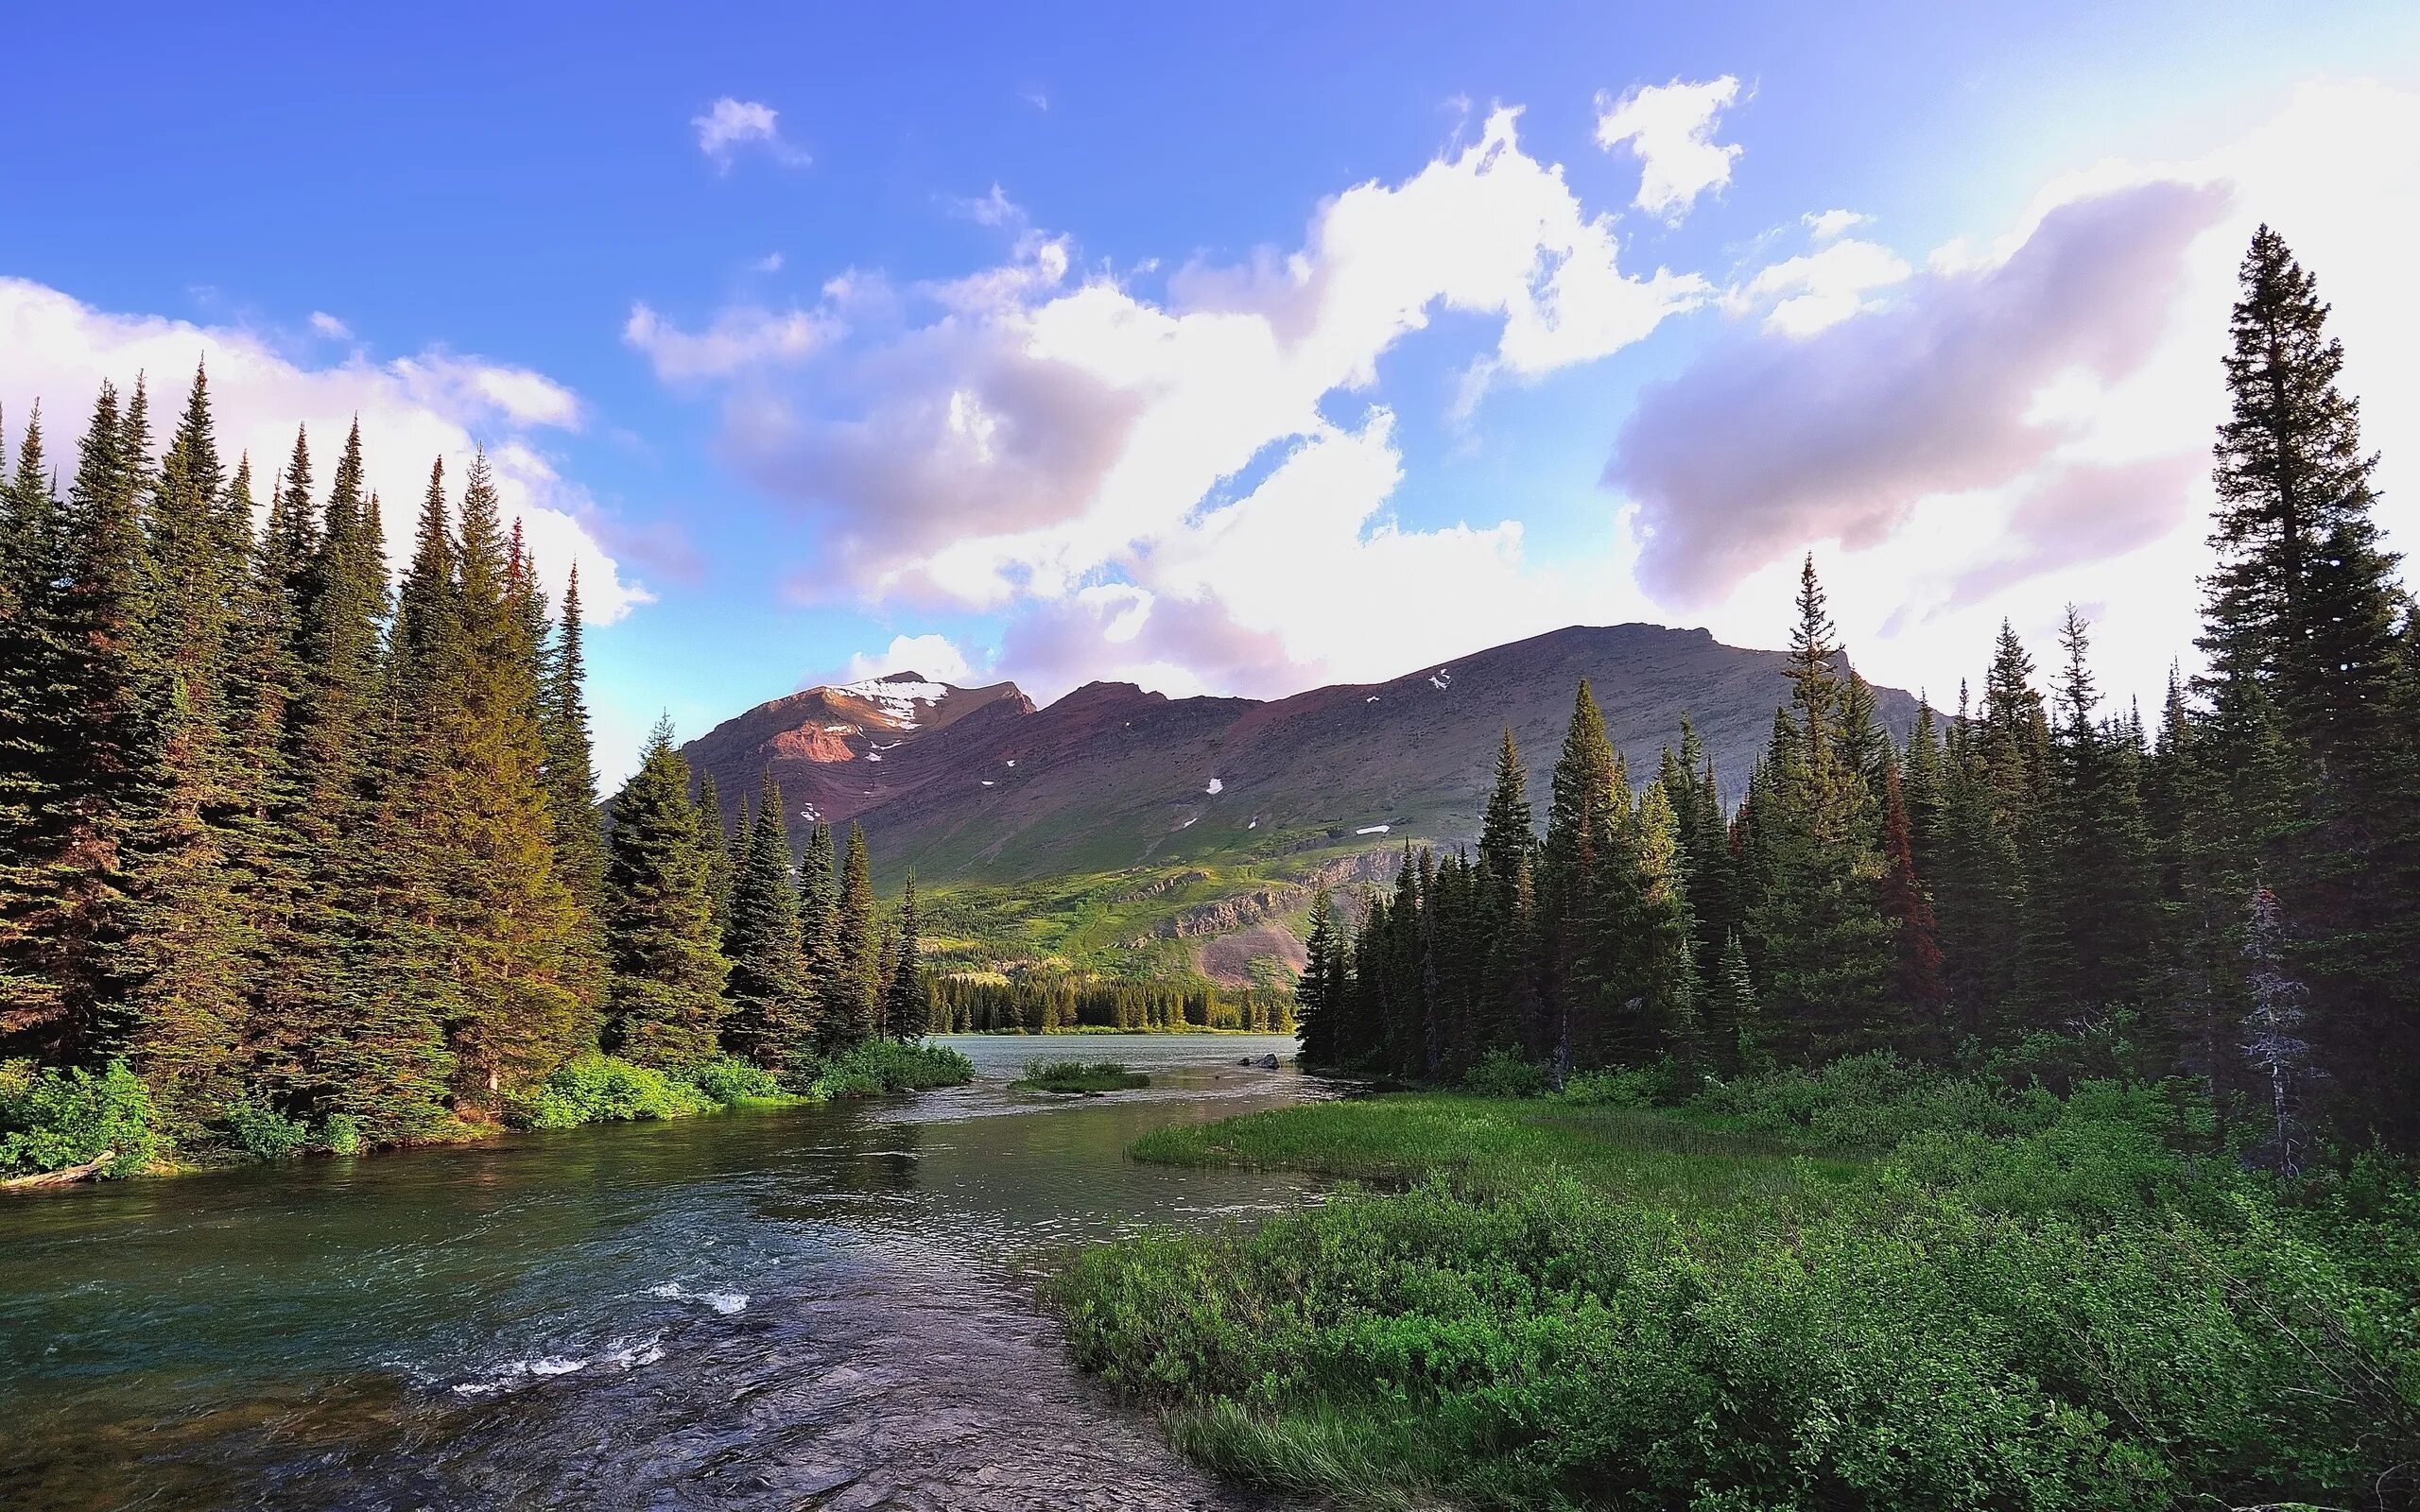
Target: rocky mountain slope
<point x="1244" y="800"/>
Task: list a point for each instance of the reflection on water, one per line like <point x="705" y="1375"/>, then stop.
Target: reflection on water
<point x="813" y="1306"/>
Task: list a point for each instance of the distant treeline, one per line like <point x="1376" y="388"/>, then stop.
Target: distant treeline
<point x="2031" y="882"/>
<point x="971" y="1004"/>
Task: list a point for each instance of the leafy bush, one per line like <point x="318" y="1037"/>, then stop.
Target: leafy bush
<point x="1502" y="1073"/>
<point x="728" y="1079"/>
<point x="600" y="1089"/>
<point x="881" y="1065"/>
<point x="263" y="1132"/>
<point x="340" y="1134"/>
<point x="51" y="1120"/>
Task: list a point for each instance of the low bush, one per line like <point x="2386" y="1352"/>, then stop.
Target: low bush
<point x="729" y="1079"/>
<point x="340" y="1134"/>
<point x="52" y="1120"/>
<point x="1502" y="1073"/>
<point x="883" y="1066"/>
<point x="262" y="1132"/>
<point x="600" y="1089"/>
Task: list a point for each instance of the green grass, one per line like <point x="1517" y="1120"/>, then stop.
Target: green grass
<point x="1480" y="1146"/>
<point x="1080" y="1076"/>
<point x="1863" y="1289"/>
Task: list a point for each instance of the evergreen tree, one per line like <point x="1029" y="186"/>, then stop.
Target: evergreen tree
<point x="1586" y="879"/>
<point x="516" y="930"/>
<point x="1906" y="912"/>
<point x="1818" y="921"/>
<point x="771" y="1016"/>
<point x="1319" y="991"/>
<point x="190" y="949"/>
<point x="819" y="914"/>
<point x="1667" y="975"/>
<point x="35" y="815"/>
<point x="663" y="1004"/>
<point x="850" y="1015"/>
<point x="908" y="1007"/>
<point x="571" y="763"/>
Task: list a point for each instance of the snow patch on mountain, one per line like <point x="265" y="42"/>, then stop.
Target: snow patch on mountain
<point x="1215" y="786"/>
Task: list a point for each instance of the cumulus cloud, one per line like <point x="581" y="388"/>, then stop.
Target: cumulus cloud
<point x="410" y="409"/>
<point x="328" y="325"/>
<point x="739" y="338"/>
<point x="730" y="125"/>
<point x="1669" y="128"/>
<point x="2085" y="513"/>
<point x="1826" y="224"/>
<point x="1046" y="425"/>
<point x="933" y="657"/>
<point x="1775" y="440"/>
<point x="1151" y="486"/>
<point x="1801" y="294"/>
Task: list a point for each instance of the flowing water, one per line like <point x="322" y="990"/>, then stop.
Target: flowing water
<point x="817" y="1306"/>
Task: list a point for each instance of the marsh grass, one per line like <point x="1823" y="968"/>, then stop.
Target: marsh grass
<point x="1998" y="1301"/>
<point x="1081" y="1077"/>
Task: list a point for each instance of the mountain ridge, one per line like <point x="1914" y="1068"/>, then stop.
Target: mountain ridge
<point x="981" y="788"/>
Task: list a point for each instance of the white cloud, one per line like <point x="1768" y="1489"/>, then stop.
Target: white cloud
<point x="1149" y="487"/>
<point x="2080" y="471"/>
<point x="411" y="410"/>
<point x="1670" y="127"/>
<point x="1802" y="295"/>
<point x="730" y="125"/>
<point x="329" y="326"/>
<point x="740" y="336"/>
<point x="1826" y="224"/>
<point x="769" y="263"/>
<point x="933" y="657"/>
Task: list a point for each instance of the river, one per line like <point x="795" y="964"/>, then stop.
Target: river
<point x="820" y="1306"/>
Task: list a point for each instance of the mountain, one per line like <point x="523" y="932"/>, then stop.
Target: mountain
<point x="1192" y="820"/>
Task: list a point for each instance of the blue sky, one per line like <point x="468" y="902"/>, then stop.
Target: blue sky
<point x="1228" y="350"/>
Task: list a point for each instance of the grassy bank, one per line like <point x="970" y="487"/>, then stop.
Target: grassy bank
<point x="1863" y="1289"/>
<point x="75" y="1126"/>
<point x="1078" y="1077"/>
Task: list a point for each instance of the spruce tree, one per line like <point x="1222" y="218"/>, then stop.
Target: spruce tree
<point x="1587" y="869"/>
<point x="1665" y="977"/>
<point x="908" y="1008"/>
<point x="716" y="840"/>
<point x="189" y="947"/>
<point x="850" y="1015"/>
<point x="571" y="761"/>
<point x="663" y="999"/>
<point x="35" y="817"/>
<point x="771" y="1019"/>
<point x="819" y="914"/>
<point x="517" y="933"/>
<point x="1318" y="993"/>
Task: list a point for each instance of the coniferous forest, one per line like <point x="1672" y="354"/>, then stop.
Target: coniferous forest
<point x="2220" y="890"/>
<point x="296" y="854"/>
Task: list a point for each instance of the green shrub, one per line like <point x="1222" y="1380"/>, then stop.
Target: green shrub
<point x="51" y="1120"/>
<point x="263" y="1132"/>
<point x="600" y="1089"/>
<point x="340" y="1134"/>
<point x="882" y="1066"/>
<point x="1502" y="1073"/>
<point x="728" y="1079"/>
